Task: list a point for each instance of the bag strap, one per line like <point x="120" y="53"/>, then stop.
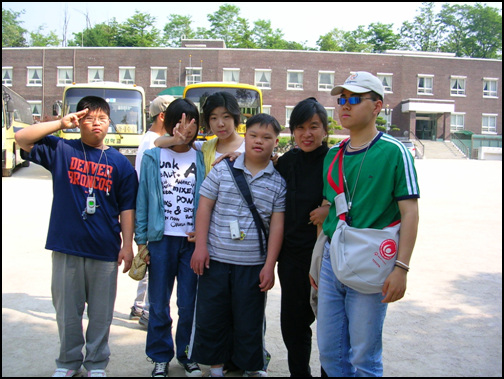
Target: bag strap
<point x="242" y="185"/>
<point x="338" y="189"/>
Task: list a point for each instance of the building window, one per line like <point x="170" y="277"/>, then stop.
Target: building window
<point x="489" y="123"/>
<point x="457" y="121"/>
<point x="158" y="76"/>
<point x="288" y="112"/>
<point x="34" y="76"/>
<point x="193" y="75"/>
<point x="7" y="76"/>
<point x="387" y="117"/>
<point x="424" y="84"/>
<point x="65" y="76"/>
<point x="267" y="109"/>
<point x="330" y="112"/>
<point x="95" y="74"/>
<point x="36" y="108"/>
<point x="295" y="79"/>
<point x="386" y="80"/>
<point x="127" y="75"/>
<point x="489" y="87"/>
<point x="457" y="85"/>
<point x="325" y="80"/>
<point x="263" y="79"/>
<point x="231" y="75"/>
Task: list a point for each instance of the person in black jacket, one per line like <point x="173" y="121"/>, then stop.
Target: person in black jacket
<point x="301" y="167"/>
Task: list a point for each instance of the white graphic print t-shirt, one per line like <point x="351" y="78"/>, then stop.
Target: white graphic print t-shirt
<point x="178" y="179"/>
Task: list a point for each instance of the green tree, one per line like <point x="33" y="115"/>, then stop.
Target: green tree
<point x="332" y="41"/>
<point x="474" y="31"/>
<point x="381" y="37"/>
<point x="226" y="24"/>
<point x="100" y="35"/>
<point x="12" y="32"/>
<point x="139" y="31"/>
<point x="176" y="28"/>
<point x="39" y="39"/>
<point x="425" y="32"/>
<point x="357" y="41"/>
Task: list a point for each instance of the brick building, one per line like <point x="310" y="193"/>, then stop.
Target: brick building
<point x="428" y="94"/>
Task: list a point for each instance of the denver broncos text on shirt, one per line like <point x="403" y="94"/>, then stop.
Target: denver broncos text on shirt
<point x="83" y="175"/>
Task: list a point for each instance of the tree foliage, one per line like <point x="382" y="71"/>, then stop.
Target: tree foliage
<point x="39" y="39"/>
<point x="12" y="31"/>
<point x="472" y="30"/>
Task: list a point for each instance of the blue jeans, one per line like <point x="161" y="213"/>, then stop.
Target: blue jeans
<point x="170" y="258"/>
<point x="349" y="327"/>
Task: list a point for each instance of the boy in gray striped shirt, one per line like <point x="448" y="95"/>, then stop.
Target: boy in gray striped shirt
<point x="233" y="274"/>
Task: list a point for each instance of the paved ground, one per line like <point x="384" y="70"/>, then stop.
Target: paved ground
<point x="449" y="323"/>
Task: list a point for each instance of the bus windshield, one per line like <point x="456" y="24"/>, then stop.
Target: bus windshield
<point x="249" y="101"/>
<point x="125" y="108"/>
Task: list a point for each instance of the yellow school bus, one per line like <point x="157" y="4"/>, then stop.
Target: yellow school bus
<point x="127" y="113"/>
<point x="249" y="99"/>
<point x="16" y="114"/>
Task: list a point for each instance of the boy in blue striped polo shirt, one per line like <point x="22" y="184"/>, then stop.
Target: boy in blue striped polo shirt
<point x="234" y="275"/>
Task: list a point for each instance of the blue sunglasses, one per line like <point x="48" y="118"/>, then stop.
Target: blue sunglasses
<point x="353" y="100"/>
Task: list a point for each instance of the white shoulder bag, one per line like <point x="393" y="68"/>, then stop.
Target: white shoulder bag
<point x="361" y="258"/>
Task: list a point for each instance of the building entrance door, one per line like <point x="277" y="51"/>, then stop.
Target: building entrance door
<point x="426" y="127"/>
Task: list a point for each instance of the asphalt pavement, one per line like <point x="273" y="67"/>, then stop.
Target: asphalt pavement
<point x="448" y="324"/>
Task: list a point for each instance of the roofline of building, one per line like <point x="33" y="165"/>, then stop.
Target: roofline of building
<point x="405" y="53"/>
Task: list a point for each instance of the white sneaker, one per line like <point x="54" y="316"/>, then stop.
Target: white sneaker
<point x="255" y="374"/>
<point x="96" y="373"/>
<point x="65" y="372"/>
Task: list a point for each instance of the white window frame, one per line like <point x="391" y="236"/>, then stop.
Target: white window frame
<point x="387" y="118"/>
<point x="460" y="81"/>
<point x="266" y="72"/>
<point x="10" y="71"/>
<point x="229" y="73"/>
<point x="61" y="82"/>
<point x="193" y="75"/>
<point x="122" y="72"/>
<point x="92" y="71"/>
<point x="30" y="82"/>
<point x="325" y="86"/>
<point x="425" y="90"/>
<point x="267" y="109"/>
<point x="330" y="112"/>
<point x="32" y="105"/>
<point x="288" y="113"/>
<point x="388" y="88"/>
<point x="492" y="94"/>
<point x="154" y="82"/>
<point x="295" y="86"/>
<point x="455" y="123"/>
<point x="489" y="129"/>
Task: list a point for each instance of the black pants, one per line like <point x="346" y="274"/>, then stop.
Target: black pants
<point x="296" y="316"/>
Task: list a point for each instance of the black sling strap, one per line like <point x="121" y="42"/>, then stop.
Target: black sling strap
<point x="242" y="185"/>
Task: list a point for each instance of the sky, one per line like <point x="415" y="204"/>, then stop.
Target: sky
<point x="299" y="21"/>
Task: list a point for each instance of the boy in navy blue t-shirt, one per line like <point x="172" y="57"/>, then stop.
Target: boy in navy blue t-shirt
<point x="92" y="214"/>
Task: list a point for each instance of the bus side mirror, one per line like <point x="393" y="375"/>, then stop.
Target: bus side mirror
<point x="57" y="108"/>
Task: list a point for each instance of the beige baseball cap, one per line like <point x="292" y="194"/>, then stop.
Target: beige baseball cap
<point x="360" y="82"/>
<point x="159" y="104"/>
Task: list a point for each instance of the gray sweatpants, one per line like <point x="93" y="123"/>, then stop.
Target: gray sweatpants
<point x="75" y="282"/>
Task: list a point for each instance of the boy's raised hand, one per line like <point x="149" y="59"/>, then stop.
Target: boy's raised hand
<point x="71" y="120"/>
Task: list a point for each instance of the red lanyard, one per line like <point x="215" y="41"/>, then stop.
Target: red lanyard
<point x="339" y="189"/>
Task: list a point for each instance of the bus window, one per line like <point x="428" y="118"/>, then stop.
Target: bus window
<point x="249" y="100"/>
<point x="16" y="114"/>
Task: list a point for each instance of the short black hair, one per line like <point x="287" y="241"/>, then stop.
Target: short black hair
<point x="173" y="114"/>
<point x="264" y="119"/>
<point x="93" y="103"/>
<point x="304" y="110"/>
<point x="221" y="99"/>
